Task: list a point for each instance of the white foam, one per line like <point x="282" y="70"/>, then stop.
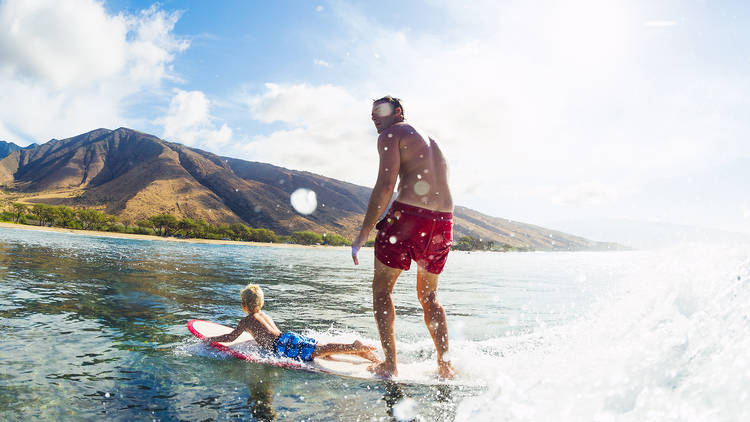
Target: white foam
<point x="670" y="343"/>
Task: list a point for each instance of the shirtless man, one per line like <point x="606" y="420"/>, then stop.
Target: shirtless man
<point x="417" y="227"/>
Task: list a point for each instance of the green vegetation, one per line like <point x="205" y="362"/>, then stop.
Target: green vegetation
<point x="157" y="225"/>
<point x="469" y="243"/>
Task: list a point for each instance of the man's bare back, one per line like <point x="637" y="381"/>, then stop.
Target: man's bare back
<point x="423" y="171"/>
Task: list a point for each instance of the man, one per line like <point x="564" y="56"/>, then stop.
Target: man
<point x="417" y="227"/>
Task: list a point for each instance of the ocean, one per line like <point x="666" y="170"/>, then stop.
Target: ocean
<point x="93" y="328"/>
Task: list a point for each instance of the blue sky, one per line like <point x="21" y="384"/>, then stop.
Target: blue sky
<point x="551" y="111"/>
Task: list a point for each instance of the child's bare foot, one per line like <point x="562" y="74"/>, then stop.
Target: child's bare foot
<point x="446" y="370"/>
<point x="369" y="355"/>
<point x="366" y="351"/>
<point x="359" y="345"/>
<point x="384" y="370"/>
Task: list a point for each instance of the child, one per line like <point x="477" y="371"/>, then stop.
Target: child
<point x="288" y="344"/>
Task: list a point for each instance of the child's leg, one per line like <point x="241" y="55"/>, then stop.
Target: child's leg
<point x="356" y="348"/>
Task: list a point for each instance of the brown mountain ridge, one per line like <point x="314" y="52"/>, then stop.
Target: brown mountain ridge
<point x="134" y="175"/>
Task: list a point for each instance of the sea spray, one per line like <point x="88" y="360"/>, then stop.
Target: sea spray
<point x="669" y="342"/>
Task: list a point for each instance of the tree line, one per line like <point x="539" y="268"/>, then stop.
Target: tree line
<point x="168" y="225"/>
<point x="158" y="225"/>
<point x="470" y="243"/>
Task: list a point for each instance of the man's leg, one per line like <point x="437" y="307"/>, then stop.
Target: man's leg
<point x="434" y="317"/>
<point x="383" y="281"/>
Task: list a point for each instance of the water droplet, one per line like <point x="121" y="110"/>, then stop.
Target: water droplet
<point x="421" y="187"/>
<point x="423" y="234"/>
<point x="385" y="149"/>
<point x="392" y="239"/>
<point x="304" y="201"/>
<point x="236" y="190"/>
<point x="419" y="176"/>
<point x="106" y="395"/>
<point x="390" y="135"/>
<point x="386" y="169"/>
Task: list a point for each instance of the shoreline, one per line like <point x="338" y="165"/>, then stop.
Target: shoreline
<point x="4" y="224"/>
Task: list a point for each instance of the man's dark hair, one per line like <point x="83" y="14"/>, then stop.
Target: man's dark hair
<point x="395" y="102"/>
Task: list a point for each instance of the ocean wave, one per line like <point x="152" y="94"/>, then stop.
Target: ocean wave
<point x="669" y="342"/>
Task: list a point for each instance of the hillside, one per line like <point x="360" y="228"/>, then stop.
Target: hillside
<point x="134" y="175"/>
<point x="8" y="147"/>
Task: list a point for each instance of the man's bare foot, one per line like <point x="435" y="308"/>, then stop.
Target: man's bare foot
<point x="446" y="370"/>
<point x="383" y="370"/>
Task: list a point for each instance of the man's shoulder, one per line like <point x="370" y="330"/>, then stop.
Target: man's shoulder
<point x="404" y="127"/>
<point x="396" y="132"/>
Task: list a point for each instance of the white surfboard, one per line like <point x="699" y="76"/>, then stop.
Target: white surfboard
<point x="244" y="347"/>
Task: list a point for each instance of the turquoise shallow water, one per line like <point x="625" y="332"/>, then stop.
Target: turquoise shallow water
<point x="94" y="327"/>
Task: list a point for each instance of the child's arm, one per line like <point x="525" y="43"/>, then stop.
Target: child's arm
<point x="229" y="337"/>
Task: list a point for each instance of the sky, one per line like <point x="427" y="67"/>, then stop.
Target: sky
<point x="547" y="111"/>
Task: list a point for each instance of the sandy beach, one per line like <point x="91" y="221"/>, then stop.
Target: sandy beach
<point x="157" y="238"/>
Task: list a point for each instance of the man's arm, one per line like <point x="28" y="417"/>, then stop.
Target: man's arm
<point x="229" y="337"/>
<point x="390" y="160"/>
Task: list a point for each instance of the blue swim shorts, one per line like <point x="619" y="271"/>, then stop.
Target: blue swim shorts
<point x="295" y="346"/>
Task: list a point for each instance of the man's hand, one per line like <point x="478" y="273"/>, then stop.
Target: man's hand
<point x="357" y="244"/>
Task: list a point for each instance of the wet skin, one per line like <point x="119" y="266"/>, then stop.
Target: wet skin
<point x="418" y="163"/>
<point x="261" y="326"/>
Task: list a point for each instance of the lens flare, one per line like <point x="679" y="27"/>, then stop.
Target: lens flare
<point x="304" y="201"/>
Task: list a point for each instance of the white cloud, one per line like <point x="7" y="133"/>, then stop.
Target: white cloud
<point x="188" y="121"/>
<point x="327" y="131"/>
<point x="660" y="23"/>
<point x="588" y="193"/>
<point x="323" y="63"/>
<point x="69" y="67"/>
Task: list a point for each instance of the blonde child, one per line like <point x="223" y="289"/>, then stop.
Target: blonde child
<point x="287" y="344"/>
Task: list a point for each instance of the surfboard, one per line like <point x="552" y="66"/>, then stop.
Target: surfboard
<point x="244" y="347"/>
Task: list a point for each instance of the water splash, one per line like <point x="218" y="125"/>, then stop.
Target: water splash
<point x="668" y="343"/>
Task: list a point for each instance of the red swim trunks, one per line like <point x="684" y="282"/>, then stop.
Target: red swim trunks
<point x="409" y="233"/>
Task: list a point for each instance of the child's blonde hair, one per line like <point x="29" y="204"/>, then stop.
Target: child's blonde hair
<point x="252" y="298"/>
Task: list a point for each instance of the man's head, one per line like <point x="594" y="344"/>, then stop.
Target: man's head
<point x="252" y="298"/>
<point x="386" y="111"/>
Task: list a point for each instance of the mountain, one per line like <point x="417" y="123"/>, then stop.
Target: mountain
<point x="134" y="175"/>
<point x="648" y="235"/>
<point x="8" y="147"/>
